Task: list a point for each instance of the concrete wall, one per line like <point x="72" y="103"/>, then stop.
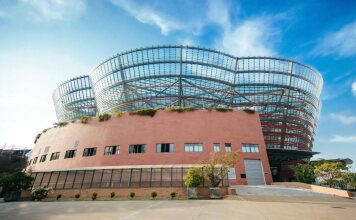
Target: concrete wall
<point x="200" y="126"/>
<point x="320" y="189"/>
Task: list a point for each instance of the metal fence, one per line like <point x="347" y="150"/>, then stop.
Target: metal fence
<point x="116" y="178"/>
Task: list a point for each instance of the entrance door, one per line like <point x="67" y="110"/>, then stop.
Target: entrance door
<point x="254" y="172"/>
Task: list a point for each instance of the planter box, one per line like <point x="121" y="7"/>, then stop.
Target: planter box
<point x="214" y="193"/>
<point x="192" y="193"/>
<point x="12" y="196"/>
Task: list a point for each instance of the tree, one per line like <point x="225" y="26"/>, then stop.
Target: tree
<point x="349" y="180"/>
<point x="194" y="177"/>
<point x="304" y="173"/>
<point x="218" y="166"/>
<point x="330" y="172"/>
<point x="15" y="182"/>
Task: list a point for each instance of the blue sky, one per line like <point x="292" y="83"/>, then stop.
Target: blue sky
<point x="44" y="42"/>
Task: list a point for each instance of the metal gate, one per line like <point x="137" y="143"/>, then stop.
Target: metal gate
<point x="254" y="172"/>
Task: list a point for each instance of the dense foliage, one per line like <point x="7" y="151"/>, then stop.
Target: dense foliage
<point x="84" y="119"/>
<point x="304" y="173"/>
<point x="218" y="166"/>
<point x="330" y="172"/>
<point x="15" y="181"/>
<point x="144" y="112"/>
<point x="103" y="117"/>
<point x="180" y="109"/>
<point x="194" y="177"/>
<point x="118" y="114"/>
<point x="40" y="193"/>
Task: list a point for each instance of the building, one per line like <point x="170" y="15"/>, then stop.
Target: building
<point x="285" y="93"/>
<point x="13" y="158"/>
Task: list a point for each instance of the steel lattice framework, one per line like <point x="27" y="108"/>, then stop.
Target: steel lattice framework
<point x="286" y="93"/>
<point x="74" y="98"/>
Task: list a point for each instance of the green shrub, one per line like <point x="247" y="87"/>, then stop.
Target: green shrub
<point x="180" y="109"/>
<point x="40" y="193"/>
<point x="153" y="195"/>
<point x="118" y="114"/>
<point x="173" y="195"/>
<point x="59" y="196"/>
<point x="60" y="124"/>
<point x="144" y="112"/>
<point x="37" y="137"/>
<point x="77" y="196"/>
<point x="94" y="196"/>
<point x="132" y="195"/>
<point x="84" y="119"/>
<point x="112" y="194"/>
<point x="45" y="130"/>
<point x="194" y="177"/>
<point x="249" y="110"/>
<point x="223" y="109"/>
<point x="15" y="182"/>
<point x="103" y="117"/>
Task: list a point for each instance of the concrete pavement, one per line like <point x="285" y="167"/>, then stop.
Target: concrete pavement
<point x="231" y="208"/>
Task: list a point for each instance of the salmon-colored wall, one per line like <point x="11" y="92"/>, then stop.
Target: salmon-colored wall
<point x="200" y="126"/>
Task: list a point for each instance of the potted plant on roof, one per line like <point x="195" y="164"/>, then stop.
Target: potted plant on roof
<point x="216" y="169"/>
<point x="192" y="180"/>
<point x="12" y="185"/>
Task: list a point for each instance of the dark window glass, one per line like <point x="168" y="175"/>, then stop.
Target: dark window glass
<point x="111" y="150"/>
<point x="43" y="158"/>
<point x="137" y="148"/>
<point x="88" y="152"/>
<point x="164" y="148"/>
<point x="70" y="154"/>
<point x="35" y="160"/>
<point x="55" y="156"/>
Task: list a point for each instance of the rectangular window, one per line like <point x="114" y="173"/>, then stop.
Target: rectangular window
<point x="70" y="154"/>
<point x="29" y="163"/>
<point x="216" y="147"/>
<point x="35" y="160"/>
<point x="43" y="158"/>
<point x="227" y="147"/>
<point x="164" y="148"/>
<point x="55" y="156"/>
<point x="137" y="148"/>
<point x="193" y="147"/>
<point x="88" y="152"/>
<point x="112" y="150"/>
<point x="250" y="148"/>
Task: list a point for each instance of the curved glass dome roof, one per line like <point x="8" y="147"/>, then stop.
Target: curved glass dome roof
<point x="286" y="93"/>
<point x="74" y="98"/>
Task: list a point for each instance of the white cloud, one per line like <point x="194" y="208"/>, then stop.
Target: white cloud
<point x="341" y="43"/>
<point x="343" y="139"/>
<point x="54" y="9"/>
<point x="343" y="119"/>
<point x="250" y="38"/>
<point x="353" y="88"/>
<point x="148" y="15"/>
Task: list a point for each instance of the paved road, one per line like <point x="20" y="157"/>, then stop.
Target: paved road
<point x="266" y="190"/>
<point x="231" y="208"/>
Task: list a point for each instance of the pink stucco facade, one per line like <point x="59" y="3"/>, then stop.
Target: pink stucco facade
<point x="201" y="126"/>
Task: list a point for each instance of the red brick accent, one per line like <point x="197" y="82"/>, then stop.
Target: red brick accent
<point x="200" y="126"/>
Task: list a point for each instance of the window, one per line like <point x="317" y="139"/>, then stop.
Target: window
<point x="164" y="148"/>
<point x="88" y="152"/>
<point x="137" y="148"/>
<point x="43" y="158"/>
<point x="250" y="148"/>
<point x="193" y="147"/>
<point x="70" y="154"/>
<point x="35" y="160"/>
<point x="54" y="156"/>
<point x="111" y="150"/>
<point x="29" y="163"/>
<point x="216" y="147"/>
<point x="227" y="147"/>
